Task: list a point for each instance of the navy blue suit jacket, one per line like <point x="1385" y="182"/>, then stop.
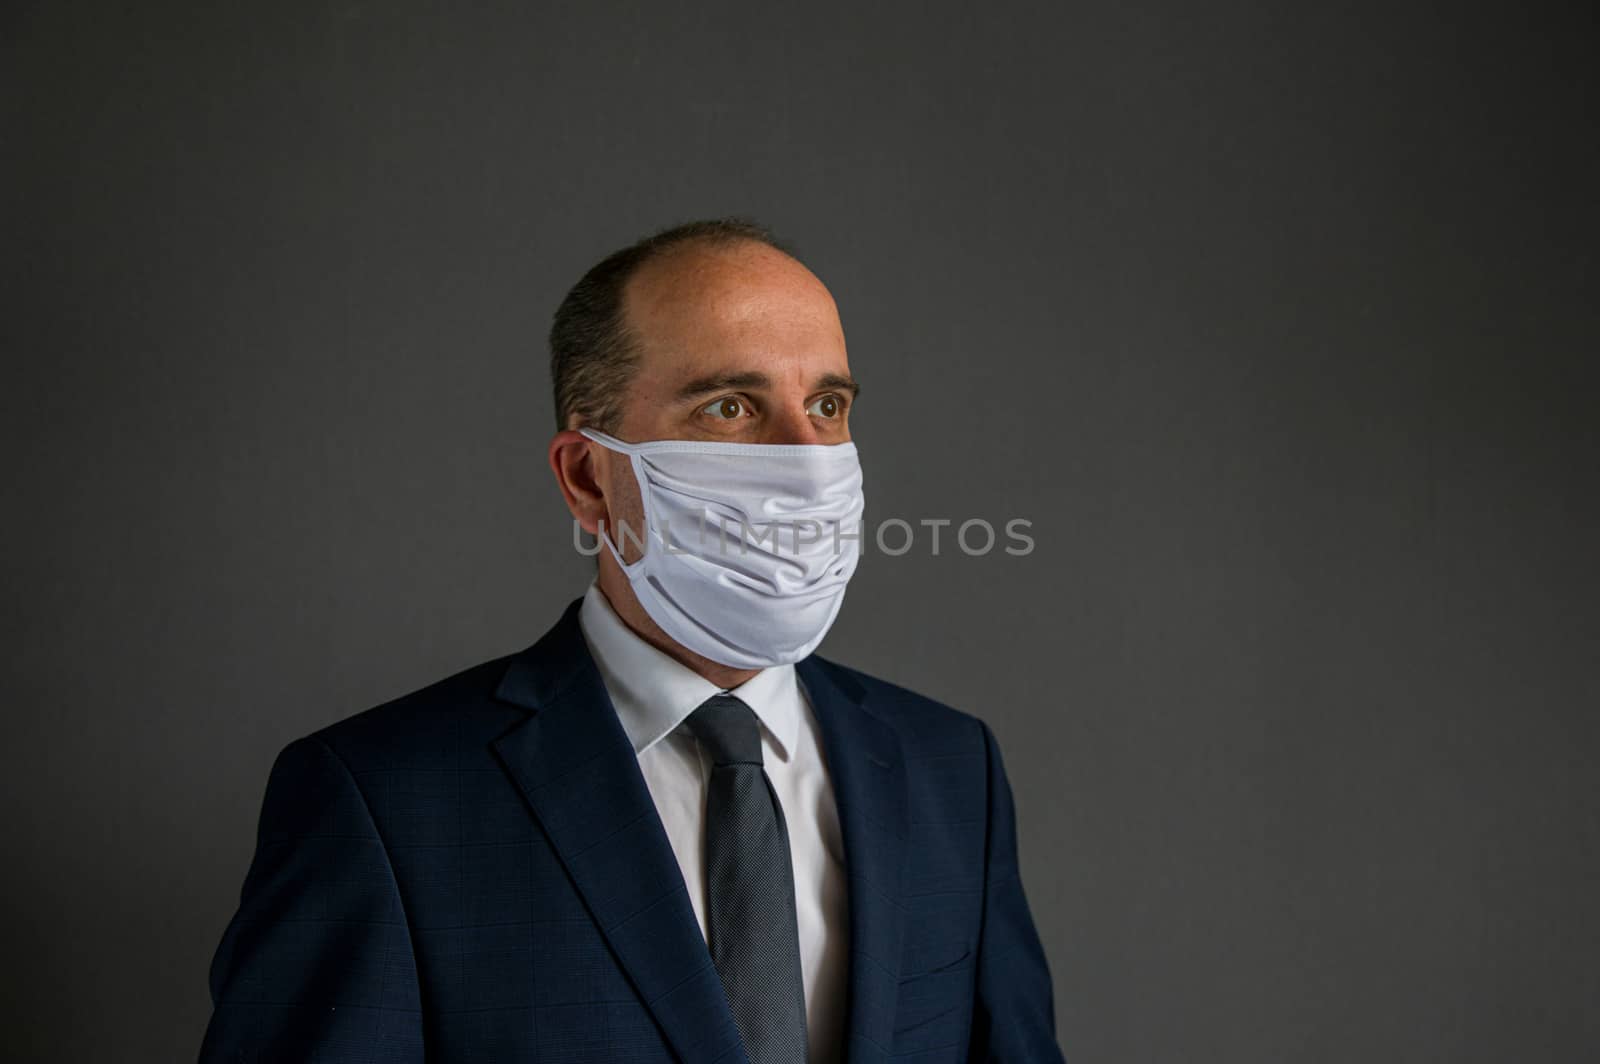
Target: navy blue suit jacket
<point x="476" y="872"/>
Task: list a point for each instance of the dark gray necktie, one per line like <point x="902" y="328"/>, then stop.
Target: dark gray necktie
<point x="754" y="941"/>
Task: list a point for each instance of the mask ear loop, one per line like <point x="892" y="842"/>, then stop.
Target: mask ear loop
<point x="610" y="443"/>
<point x="635" y="462"/>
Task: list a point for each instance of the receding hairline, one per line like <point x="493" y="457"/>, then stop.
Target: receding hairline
<point x="656" y="269"/>
<point x="593" y="344"/>
<point x="712" y="247"/>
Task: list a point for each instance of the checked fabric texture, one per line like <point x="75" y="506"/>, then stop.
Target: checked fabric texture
<point x="476" y="872"/>
<point x="754" y="942"/>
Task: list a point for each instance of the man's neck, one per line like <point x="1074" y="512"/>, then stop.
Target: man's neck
<point x="619" y="593"/>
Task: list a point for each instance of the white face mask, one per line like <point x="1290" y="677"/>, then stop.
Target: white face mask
<point x="747" y="547"/>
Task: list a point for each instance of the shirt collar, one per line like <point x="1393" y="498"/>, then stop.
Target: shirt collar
<point x="654" y="693"/>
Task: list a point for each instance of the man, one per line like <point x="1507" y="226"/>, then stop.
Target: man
<point x="667" y="830"/>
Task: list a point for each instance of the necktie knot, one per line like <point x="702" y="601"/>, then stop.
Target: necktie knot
<point x="729" y="730"/>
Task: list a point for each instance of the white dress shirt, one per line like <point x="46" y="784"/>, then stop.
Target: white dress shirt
<point x="653" y="695"/>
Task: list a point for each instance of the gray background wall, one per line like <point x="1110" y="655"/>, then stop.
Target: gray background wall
<point x="1274" y="319"/>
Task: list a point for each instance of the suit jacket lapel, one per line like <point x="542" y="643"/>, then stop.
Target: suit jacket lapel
<point x="868" y="774"/>
<point x="580" y="777"/>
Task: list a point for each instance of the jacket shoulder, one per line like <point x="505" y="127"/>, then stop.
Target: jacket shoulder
<point x="426" y="727"/>
<point x="925" y="726"/>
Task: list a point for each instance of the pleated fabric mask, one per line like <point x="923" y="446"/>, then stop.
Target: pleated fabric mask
<point x="747" y="547"/>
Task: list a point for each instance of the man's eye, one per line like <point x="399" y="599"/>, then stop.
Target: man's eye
<point x="727" y="408"/>
<point x="828" y="406"/>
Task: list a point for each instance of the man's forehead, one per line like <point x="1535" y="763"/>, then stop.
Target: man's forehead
<point x="684" y="373"/>
<point x="738" y="286"/>
<point x="733" y="310"/>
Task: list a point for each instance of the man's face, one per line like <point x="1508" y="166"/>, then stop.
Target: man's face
<point x="738" y="344"/>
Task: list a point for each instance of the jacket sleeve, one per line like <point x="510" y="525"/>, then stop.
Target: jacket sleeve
<point x="317" y="964"/>
<point x="1014" y="1017"/>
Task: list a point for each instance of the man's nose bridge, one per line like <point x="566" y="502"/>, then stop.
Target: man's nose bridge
<point x="790" y="424"/>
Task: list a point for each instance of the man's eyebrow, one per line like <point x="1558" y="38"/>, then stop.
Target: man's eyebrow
<point x="842" y="381"/>
<point x="721" y="382"/>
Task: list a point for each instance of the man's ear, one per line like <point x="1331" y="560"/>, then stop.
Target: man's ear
<point x="572" y="459"/>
